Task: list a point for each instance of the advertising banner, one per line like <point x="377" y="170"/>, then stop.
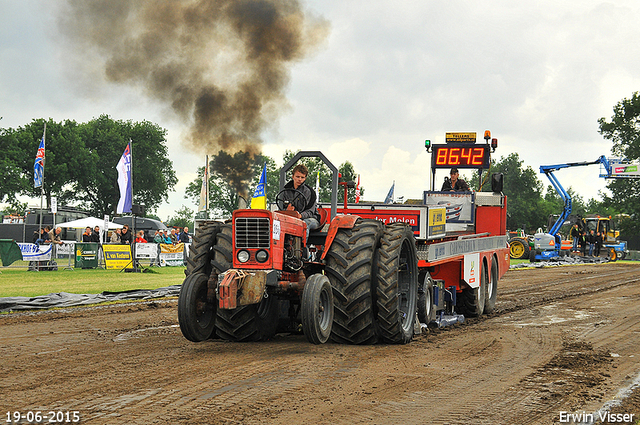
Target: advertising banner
<point x="87" y="255"/>
<point x="459" y="205"/>
<point x="117" y="257"/>
<point x="33" y="252"/>
<point x="437" y="222"/>
<point x="146" y="251"/>
<point x="65" y="250"/>
<point x="172" y="255"/>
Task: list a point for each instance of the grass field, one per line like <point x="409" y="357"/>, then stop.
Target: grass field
<point x="16" y="282"/>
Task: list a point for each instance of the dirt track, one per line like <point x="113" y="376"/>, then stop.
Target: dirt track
<point x="563" y="340"/>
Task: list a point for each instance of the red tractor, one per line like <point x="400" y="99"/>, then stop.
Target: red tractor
<point x="240" y="273"/>
<point x="361" y="278"/>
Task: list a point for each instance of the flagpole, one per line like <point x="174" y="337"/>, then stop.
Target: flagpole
<point x="206" y="185"/>
<point x="133" y="216"/>
<point x="44" y="135"/>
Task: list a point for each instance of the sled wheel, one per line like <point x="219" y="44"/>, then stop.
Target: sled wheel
<point x="613" y="255"/>
<point x="350" y="260"/>
<point x="492" y="288"/>
<point x="426" y="310"/>
<point x="317" y="309"/>
<point x="471" y="300"/>
<point x="196" y="314"/>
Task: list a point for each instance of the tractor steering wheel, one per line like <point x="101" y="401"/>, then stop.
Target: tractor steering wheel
<point x="297" y="194"/>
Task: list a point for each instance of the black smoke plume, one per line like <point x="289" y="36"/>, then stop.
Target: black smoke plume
<point x="220" y="65"/>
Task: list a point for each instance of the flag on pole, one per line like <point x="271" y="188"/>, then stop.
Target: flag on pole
<point x="318" y="187"/>
<point x="389" y="198"/>
<point x="259" y="200"/>
<point x="358" y="190"/>
<point x="124" y="181"/>
<point x="38" y="166"/>
<point x="204" y="190"/>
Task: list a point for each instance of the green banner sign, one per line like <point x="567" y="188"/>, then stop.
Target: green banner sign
<point x="87" y="255"/>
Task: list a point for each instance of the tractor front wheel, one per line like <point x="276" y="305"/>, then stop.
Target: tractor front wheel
<point x="196" y="314"/>
<point x="317" y="309"/>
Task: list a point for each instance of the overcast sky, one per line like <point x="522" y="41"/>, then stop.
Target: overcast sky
<point x="388" y="76"/>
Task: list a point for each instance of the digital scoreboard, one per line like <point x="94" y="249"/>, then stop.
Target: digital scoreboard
<point x="461" y="155"/>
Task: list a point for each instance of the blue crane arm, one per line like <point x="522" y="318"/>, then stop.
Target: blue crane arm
<point x="564" y="195"/>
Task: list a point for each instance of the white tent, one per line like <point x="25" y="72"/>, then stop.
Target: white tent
<point x="89" y="222"/>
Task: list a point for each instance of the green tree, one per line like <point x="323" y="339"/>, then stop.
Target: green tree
<point x="623" y="130"/>
<point x="232" y="177"/>
<point x="63" y="158"/>
<point x="15" y="207"/>
<point x="105" y="140"/>
<point x="11" y="157"/>
<point x="183" y="217"/>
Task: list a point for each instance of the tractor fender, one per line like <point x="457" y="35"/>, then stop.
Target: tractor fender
<point x="339" y="222"/>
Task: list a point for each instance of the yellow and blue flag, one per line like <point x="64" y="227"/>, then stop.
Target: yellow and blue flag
<point x="259" y="200"/>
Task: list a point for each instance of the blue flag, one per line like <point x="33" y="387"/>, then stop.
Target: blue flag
<point x="389" y="198"/>
<point x="124" y="181"/>
<point x="38" y="166"/>
<point x="259" y="200"/>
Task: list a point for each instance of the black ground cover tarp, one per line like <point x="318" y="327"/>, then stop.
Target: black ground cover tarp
<point x="561" y="261"/>
<point x="65" y="299"/>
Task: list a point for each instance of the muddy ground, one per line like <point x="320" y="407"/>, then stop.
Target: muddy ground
<point x="564" y="340"/>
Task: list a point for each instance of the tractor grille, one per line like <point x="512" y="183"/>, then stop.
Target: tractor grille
<point x="252" y="232"/>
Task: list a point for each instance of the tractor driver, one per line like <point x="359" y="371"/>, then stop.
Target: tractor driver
<point x="455" y="184"/>
<point x="309" y="212"/>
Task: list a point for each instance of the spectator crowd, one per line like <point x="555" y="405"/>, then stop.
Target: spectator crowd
<point x="123" y="236"/>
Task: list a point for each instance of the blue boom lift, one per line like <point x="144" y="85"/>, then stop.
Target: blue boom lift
<point x="549" y="245"/>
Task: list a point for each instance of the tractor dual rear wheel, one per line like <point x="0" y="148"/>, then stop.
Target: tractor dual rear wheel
<point x="255" y="322"/>
<point x="200" y="251"/>
<point x="397" y="284"/>
<point x="350" y="270"/>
